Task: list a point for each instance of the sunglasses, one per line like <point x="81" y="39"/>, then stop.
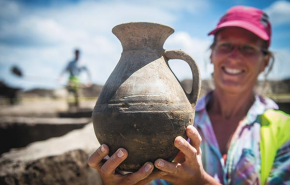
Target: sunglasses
<point x="246" y="50"/>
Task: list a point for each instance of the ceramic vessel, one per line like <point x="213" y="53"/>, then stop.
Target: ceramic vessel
<point x="142" y="106"/>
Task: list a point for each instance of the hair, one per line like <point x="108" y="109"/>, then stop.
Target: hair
<point x="77" y="51"/>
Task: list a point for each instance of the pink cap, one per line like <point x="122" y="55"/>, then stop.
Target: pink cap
<point x="249" y="18"/>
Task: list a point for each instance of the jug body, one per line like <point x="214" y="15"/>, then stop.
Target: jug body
<point x="142" y="106"/>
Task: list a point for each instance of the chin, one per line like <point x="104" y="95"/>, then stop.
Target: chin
<point x="233" y="88"/>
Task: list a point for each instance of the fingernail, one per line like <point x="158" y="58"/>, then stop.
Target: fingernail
<point x="103" y="148"/>
<point x="148" y="167"/>
<point x="160" y="163"/>
<point x="120" y="153"/>
<point x="180" y="141"/>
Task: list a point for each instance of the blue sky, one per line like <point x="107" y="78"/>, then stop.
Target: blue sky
<point x="39" y="36"/>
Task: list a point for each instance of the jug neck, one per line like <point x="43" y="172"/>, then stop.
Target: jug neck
<point x="142" y="35"/>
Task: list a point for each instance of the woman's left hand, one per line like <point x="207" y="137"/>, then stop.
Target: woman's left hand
<point x="187" y="167"/>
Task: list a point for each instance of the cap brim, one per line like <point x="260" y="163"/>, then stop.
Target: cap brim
<point x="242" y="24"/>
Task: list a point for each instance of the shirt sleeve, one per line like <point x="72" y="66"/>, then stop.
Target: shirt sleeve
<point x="280" y="173"/>
<point x="159" y="182"/>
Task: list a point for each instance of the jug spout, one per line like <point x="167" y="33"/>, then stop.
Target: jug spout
<point x="142" y="35"/>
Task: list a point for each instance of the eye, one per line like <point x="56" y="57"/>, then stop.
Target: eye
<point x="225" y="47"/>
<point x="249" y="50"/>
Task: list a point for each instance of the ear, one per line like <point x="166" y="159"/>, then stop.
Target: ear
<point x="265" y="63"/>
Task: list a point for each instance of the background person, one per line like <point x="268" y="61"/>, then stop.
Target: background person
<point x="74" y="70"/>
<point x="239" y="137"/>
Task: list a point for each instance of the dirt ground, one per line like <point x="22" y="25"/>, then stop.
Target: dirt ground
<point x="47" y="107"/>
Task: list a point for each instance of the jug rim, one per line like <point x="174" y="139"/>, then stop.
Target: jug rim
<point x="142" y="22"/>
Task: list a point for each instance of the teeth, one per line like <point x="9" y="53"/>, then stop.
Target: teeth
<point x="233" y="71"/>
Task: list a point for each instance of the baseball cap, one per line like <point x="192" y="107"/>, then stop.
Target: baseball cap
<point x="249" y="18"/>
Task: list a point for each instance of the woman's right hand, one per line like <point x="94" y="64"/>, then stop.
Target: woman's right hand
<point x="107" y="170"/>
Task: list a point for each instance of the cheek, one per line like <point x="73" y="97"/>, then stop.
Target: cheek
<point x="215" y="57"/>
<point x="262" y="68"/>
<point x="257" y="68"/>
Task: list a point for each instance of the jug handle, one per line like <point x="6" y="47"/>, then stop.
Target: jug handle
<point x="196" y="82"/>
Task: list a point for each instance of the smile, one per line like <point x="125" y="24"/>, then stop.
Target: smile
<point x="233" y="71"/>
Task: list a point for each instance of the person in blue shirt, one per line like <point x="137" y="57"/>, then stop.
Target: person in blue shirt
<point x="74" y="71"/>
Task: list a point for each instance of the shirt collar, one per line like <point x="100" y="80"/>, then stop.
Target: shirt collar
<point x="260" y="105"/>
<point x="202" y="102"/>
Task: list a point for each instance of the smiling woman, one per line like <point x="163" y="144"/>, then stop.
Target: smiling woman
<point x="230" y="118"/>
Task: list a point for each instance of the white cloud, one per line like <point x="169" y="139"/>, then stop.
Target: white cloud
<point x="33" y="31"/>
<point x="102" y="16"/>
<point x="281" y="65"/>
<point x="41" y="41"/>
<point x="279" y="12"/>
<point x="196" y="48"/>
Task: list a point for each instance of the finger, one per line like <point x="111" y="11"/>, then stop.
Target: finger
<point x="152" y="176"/>
<point x="195" y="138"/>
<point x="114" y="161"/>
<point x="189" y="151"/>
<point x="179" y="158"/>
<point x="95" y="159"/>
<point x="141" y="174"/>
<point x="168" y="167"/>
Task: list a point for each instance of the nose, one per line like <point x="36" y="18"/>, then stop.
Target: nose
<point x="236" y="53"/>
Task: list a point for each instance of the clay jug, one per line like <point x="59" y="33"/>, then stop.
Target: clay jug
<point x="142" y="106"/>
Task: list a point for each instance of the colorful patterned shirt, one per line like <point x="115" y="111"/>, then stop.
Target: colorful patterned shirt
<point x="242" y="165"/>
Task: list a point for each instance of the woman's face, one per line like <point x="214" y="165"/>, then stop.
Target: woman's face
<point x="238" y="60"/>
